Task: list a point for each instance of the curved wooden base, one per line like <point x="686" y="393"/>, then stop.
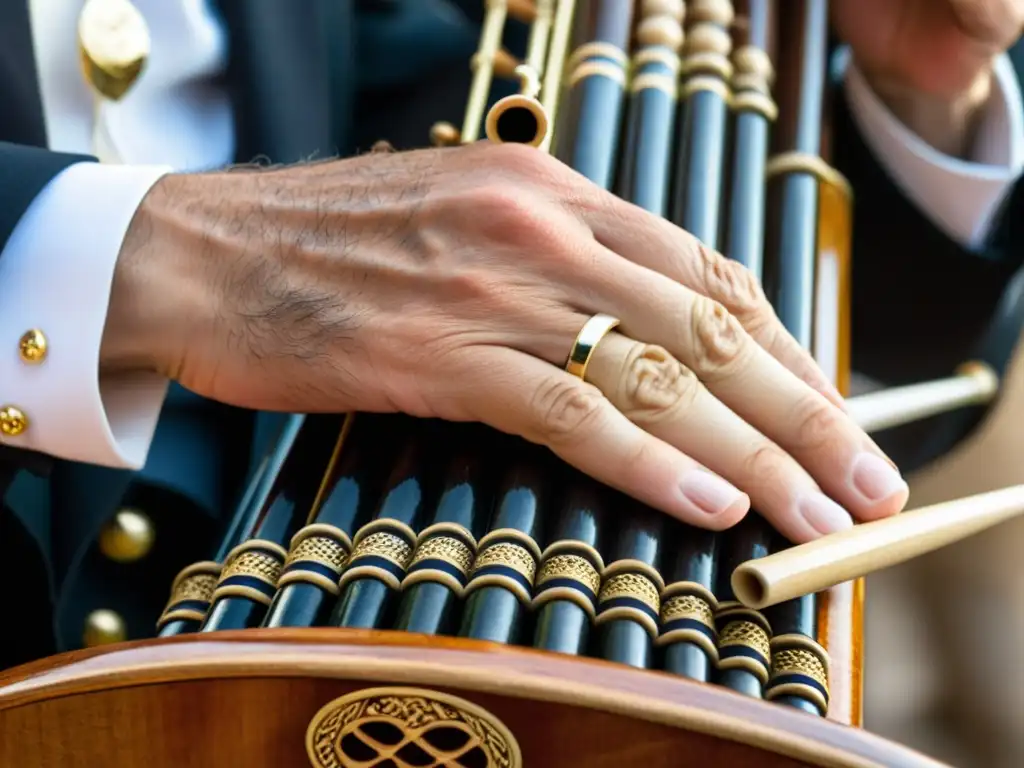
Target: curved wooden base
<point x="247" y="698"/>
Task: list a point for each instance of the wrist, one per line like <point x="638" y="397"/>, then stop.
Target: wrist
<point x="158" y="299"/>
<point x="945" y="121"/>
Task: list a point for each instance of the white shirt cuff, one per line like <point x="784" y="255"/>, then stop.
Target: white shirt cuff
<point x="960" y="197"/>
<point x="56" y="273"/>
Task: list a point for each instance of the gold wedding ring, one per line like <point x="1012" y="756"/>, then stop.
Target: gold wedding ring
<point x="590" y="335"/>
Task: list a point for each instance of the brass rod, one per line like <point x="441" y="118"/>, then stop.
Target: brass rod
<point x="551" y="89"/>
<point x="483" y="69"/>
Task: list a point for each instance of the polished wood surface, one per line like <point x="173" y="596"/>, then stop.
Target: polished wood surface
<point x="246" y="698"/>
<point x="840" y="608"/>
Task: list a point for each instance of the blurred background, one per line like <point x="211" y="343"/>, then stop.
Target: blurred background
<point x="944" y="637"/>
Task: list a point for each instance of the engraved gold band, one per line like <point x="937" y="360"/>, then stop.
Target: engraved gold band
<point x="444" y="554"/>
<point x="508" y="558"/>
<point x="251" y="571"/>
<point x="631" y="590"/>
<point x="590" y="335"/>
<point x="744" y="638"/>
<point x="570" y="571"/>
<point x="800" y="667"/>
<point x="688" y="616"/>
<point x="382" y="550"/>
<point x="318" y="556"/>
<point x="191" y="593"/>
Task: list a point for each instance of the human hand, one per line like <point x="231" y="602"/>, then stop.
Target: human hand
<point x="452" y="283"/>
<point x="930" y="60"/>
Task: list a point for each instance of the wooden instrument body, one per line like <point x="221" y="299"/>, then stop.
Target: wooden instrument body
<point x="248" y="698"/>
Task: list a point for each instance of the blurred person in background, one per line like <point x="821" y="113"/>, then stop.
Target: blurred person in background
<point x="944" y="669"/>
<point x="928" y="130"/>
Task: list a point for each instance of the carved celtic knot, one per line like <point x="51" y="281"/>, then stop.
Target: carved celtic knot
<point x="407" y="728"/>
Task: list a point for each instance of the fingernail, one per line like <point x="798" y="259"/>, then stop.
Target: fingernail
<point x="823" y="514"/>
<point x="875" y="478"/>
<point x="710" y="493"/>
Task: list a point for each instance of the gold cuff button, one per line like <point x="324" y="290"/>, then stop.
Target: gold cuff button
<point x="103" y="627"/>
<point x="128" y="536"/>
<point x="12" y="421"/>
<point x="32" y="346"/>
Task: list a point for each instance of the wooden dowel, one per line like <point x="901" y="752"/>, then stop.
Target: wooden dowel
<point x="864" y="549"/>
<point x="974" y="384"/>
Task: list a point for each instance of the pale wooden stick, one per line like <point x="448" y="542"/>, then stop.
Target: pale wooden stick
<point x="974" y="384"/>
<point x="870" y="547"/>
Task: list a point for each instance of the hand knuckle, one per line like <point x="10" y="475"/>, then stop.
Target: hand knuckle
<point x="654" y="386"/>
<point x="474" y="286"/>
<point x="637" y="459"/>
<point x="732" y="284"/>
<point x="764" y="326"/>
<point x="819" y="423"/>
<point x="500" y="204"/>
<point x="766" y="465"/>
<point x="564" y="408"/>
<point x="719" y="343"/>
<point x="519" y="158"/>
<point x="513" y="216"/>
<point x="519" y="163"/>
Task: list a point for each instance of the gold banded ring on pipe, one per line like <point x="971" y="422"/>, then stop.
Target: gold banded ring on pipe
<point x="590" y="335"/>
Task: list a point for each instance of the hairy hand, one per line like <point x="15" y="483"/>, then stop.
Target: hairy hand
<point x="452" y="283"/>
